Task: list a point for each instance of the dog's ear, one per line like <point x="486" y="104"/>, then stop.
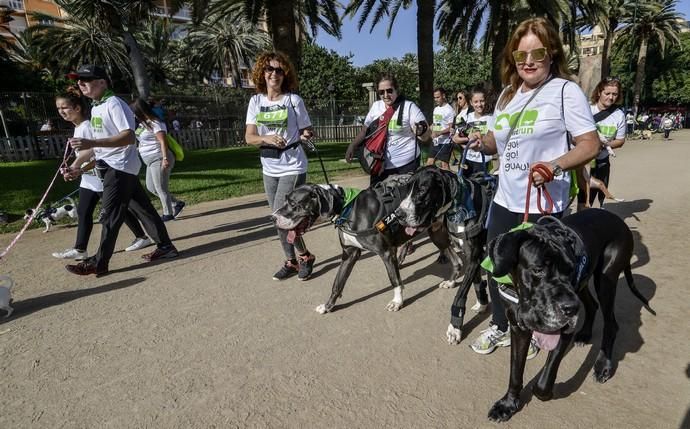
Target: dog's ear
<point x="324" y="199"/>
<point x="504" y="251"/>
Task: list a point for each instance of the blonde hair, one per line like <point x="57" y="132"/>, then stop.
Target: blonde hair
<point x="290" y="77"/>
<point x="548" y="36"/>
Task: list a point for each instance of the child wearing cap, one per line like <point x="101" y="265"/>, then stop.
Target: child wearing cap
<point x="117" y="164"/>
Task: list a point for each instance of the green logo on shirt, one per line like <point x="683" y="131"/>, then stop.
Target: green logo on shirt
<point x="273" y="117"/>
<point x="97" y="124"/>
<point x="437" y="122"/>
<point x="608" y="131"/>
<point x="525" y="125"/>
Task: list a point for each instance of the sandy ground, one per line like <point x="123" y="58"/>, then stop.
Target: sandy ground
<point x="209" y="340"/>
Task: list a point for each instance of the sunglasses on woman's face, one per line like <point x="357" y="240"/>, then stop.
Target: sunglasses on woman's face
<point x="271" y="69"/>
<point x="382" y="92"/>
<point x="538" y="54"/>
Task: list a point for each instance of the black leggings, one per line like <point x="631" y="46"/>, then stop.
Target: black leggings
<point x="407" y="168"/>
<point x="85" y="207"/>
<point x="602" y="171"/>
<point x="501" y="220"/>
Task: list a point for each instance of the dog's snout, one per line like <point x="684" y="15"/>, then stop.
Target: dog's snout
<point x="570" y="308"/>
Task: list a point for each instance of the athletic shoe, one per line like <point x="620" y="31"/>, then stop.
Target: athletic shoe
<point x="489" y="339"/>
<point x="77" y="255"/>
<point x="161" y="253"/>
<point x="306" y="265"/>
<point x="289" y="269"/>
<point x="178" y="208"/>
<point x="166" y="218"/>
<point x="86" y="268"/>
<point x="533" y="349"/>
<point x="139" y="243"/>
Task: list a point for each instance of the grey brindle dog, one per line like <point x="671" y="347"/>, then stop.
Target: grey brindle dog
<point x="550" y="266"/>
<point x="380" y="219"/>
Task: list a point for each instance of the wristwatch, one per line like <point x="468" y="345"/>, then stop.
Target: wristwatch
<point x="556" y="169"/>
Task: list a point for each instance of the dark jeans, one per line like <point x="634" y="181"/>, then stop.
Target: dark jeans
<point x="120" y="191"/>
<point x="85" y="207"/>
<point x="602" y="171"/>
<point x="407" y="168"/>
<point x="501" y="220"/>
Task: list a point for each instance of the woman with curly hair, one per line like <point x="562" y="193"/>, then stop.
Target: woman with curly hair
<point x="277" y="122"/>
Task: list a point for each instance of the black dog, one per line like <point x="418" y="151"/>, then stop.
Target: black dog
<point x="550" y="265"/>
<point x="380" y="219"/>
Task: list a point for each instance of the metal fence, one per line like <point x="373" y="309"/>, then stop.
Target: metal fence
<point x="52" y="145"/>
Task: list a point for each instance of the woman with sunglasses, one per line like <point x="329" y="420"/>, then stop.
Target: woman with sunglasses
<point x="402" y="151"/>
<point x="534" y="114"/>
<point x="462" y="109"/>
<point x="611" y="127"/>
<point x="277" y="122"/>
<point x="477" y="120"/>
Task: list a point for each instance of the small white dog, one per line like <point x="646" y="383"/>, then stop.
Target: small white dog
<point x="50" y="215"/>
<point x="6" y="285"/>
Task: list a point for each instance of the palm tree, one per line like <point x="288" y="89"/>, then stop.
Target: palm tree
<point x="77" y="41"/>
<point x="121" y="18"/>
<point x="285" y="19"/>
<point x="460" y="22"/>
<point x="655" y="21"/>
<point x="161" y="50"/>
<point x="219" y="44"/>
<point x="425" y="37"/>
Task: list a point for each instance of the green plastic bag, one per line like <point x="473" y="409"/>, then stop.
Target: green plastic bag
<point x="174" y="147"/>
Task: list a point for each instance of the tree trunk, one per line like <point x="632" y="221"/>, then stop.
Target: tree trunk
<point x="500" y="39"/>
<point x="605" y="63"/>
<point x="639" y="75"/>
<point x="141" y="78"/>
<point x="282" y="27"/>
<point x="425" y="56"/>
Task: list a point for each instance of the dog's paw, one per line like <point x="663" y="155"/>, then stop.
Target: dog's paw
<point x="504" y="409"/>
<point x="321" y="309"/>
<point x="603" y="368"/>
<point x="479" y="307"/>
<point x="453" y="334"/>
<point x="447" y="284"/>
<point x="394" y="306"/>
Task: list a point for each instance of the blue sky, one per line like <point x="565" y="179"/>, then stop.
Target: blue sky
<point x="368" y="47"/>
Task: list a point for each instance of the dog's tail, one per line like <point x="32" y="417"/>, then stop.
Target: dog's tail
<point x="635" y="291"/>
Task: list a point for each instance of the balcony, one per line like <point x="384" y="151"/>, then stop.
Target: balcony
<point x="17" y="5"/>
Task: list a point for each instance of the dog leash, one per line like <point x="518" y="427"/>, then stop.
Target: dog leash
<point x="546" y="173"/>
<point x="309" y="144"/>
<point x="63" y="164"/>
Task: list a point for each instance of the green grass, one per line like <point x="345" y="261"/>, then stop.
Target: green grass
<point x="204" y="175"/>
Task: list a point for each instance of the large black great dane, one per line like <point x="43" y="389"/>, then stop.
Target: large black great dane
<point x="380" y="219"/>
<point x="550" y="266"/>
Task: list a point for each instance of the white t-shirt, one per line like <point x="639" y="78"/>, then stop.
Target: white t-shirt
<point x="402" y="143"/>
<point x="612" y="127"/>
<point x="539" y="135"/>
<point x="108" y="119"/>
<point x="481" y="123"/>
<point x="283" y="117"/>
<point x="443" y="119"/>
<point x="149" y="146"/>
<point x="89" y="180"/>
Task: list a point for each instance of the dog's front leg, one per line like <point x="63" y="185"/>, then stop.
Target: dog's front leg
<point x="390" y="260"/>
<point x="547" y="377"/>
<point x="457" y="309"/>
<point x="350" y="256"/>
<point x="509" y="404"/>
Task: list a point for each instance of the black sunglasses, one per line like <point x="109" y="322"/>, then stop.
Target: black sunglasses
<point x="386" y="91"/>
<point x="271" y="69"/>
<point x="612" y="79"/>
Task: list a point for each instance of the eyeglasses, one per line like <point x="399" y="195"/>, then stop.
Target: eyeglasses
<point x="271" y="69"/>
<point x="461" y="98"/>
<point x="612" y="79"/>
<point x="538" y="54"/>
<point x="386" y="91"/>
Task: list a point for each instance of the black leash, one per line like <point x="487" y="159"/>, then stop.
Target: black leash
<point x="309" y="144"/>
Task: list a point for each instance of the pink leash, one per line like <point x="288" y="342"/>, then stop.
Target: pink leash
<point x="65" y="157"/>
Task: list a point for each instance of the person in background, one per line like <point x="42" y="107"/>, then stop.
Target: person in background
<point x="72" y="107"/>
<point x="440" y="130"/>
<point x="546" y="106"/>
<point x="117" y="163"/>
<point x="462" y="109"/>
<point x="277" y="122"/>
<point x="477" y="120"/>
<point x="159" y="159"/>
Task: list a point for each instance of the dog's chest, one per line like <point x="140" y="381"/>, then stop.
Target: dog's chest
<point x="350" y="240"/>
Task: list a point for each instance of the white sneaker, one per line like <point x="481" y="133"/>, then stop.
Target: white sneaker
<point x="489" y="339"/>
<point x="77" y="255"/>
<point x="139" y="243"/>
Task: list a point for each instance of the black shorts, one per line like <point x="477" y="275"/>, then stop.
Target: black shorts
<point x="441" y="152"/>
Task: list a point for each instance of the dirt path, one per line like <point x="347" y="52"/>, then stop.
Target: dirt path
<point x="209" y="340"/>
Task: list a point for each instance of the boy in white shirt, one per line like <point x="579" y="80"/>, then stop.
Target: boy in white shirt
<point x="440" y="130"/>
<point x="117" y="164"/>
